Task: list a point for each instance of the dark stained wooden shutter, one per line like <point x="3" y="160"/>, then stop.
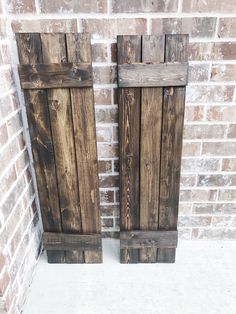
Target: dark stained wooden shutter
<point x="56" y="75"/>
<point x="152" y="74"/>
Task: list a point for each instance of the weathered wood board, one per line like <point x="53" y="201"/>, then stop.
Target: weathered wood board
<point x="152" y="74"/>
<point x="63" y="142"/>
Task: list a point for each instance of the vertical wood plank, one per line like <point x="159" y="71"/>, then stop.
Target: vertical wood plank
<point x="54" y="50"/>
<point x="29" y="50"/>
<point x="79" y="50"/>
<point x="172" y="130"/>
<point x="150" y="140"/>
<point x="129" y="50"/>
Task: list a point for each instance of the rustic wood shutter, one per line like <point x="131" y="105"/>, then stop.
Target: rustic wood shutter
<point x="56" y="74"/>
<point x="152" y="74"/>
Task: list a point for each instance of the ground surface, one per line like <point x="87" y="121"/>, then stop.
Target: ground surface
<point x="203" y="280"/>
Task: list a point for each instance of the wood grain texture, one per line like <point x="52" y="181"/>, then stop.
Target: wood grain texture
<point x="29" y="50"/>
<point x="55" y="75"/>
<point x="172" y="130"/>
<point x="152" y="74"/>
<point x="54" y="50"/>
<point x="150" y="149"/>
<point x="148" y="239"/>
<point x="72" y="242"/>
<point x="79" y="49"/>
<point x="129" y="50"/>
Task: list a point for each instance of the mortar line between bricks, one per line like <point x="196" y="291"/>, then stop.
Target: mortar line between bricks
<point x="9" y="116"/>
<point x="216" y="28"/>
<point x="10" y="140"/>
<point x="8" y="193"/>
<point x="8" y="92"/>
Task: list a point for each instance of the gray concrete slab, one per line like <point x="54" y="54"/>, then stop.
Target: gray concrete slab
<point x="203" y="280"/>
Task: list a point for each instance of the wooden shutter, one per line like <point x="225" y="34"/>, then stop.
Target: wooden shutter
<point x="56" y="74"/>
<point x="152" y="74"/>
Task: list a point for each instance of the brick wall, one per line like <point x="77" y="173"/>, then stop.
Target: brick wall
<point x="20" y="226"/>
<point x="208" y="181"/>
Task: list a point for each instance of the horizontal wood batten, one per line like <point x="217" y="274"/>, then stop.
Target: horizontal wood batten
<point x="151" y="74"/>
<point x="70" y="242"/>
<point x="55" y="75"/>
<point x="148" y="239"/>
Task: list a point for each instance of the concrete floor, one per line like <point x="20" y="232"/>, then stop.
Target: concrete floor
<point x="203" y="280"/>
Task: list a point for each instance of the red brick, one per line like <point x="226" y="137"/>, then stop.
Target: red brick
<point x="8" y="154"/>
<point x="198" y="72"/>
<point x="45" y="25"/>
<point x="209" y="6"/>
<point x="4" y="282"/>
<point x="139" y="6"/>
<point x="102" y="97"/>
<point x="4" y="53"/>
<point x="231" y="132"/>
<point x="194" y="221"/>
<point x="3" y="134"/>
<point x="7" y="181"/>
<point x="73" y="6"/>
<point x="223" y="72"/>
<point x="110" y="28"/>
<point x="212" y="51"/>
<point x="194" y="113"/>
<point x="6" y="79"/>
<point x="199" y="164"/>
<point x="23" y="6"/>
<point x="3" y="29"/>
<point x="109" y="181"/>
<point x="187" y="180"/>
<point x="209" y="93"/>
<point x="185" y="209"/>
<point x="21" y="162"/>
<point x="217" y="180"/>
<point x="221" y="113"/>
<point x="4" y="260"/>
<point x="14" y="124"/>
<point x="106" y="115"/>
<point x="198" y="195"/>
<point x="227" y="27"/>
<point x="99" y="52"/>
<point x="227" y="195"/>
<point x="105" y="166"/>
<point x="196" y="27"/>
<point x="221" y="221"/>
<point x="202" y="208"/>
<point x="191" y="149"/>
<point x="219" y="148"/>
<point x="204" y="131"/>
<point x="104" y="75"/>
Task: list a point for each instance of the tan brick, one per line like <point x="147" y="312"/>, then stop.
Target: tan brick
<point x="7" y="181"/>
<point x="45" y="25"/>
<point x="4" y="53"/>
<point x="219" y="148"/>
<point x="8" y="154"/>
<point x="225" y="208"/>
<point x="214" y="233"/>
<point x="110" y="28"/>
<point x="196" y="27"/>
<point x="104" y="75"/>
<point x="185" y="209"/>
<point x="146" y="6"/>
<point x="3" y="27"/>
<point x="99" y="52"/>
<point x="199" y="164"/>
<point x="221" y="221"/>
<point x="202" y="208"/>
<point x="194" y="221"/>
<point x="231" y="132"/>
<point x="14" y="124"/>
<point x="198" y="195"/>
<point x="107" y="150"/>
<point x="191" y="149"/>
<point x="109" y="181"/>
<point x="221" y="113"/>
<point x="23" y="6"/>
<point x="198" y="72"/>
<point x="204" y="131"/>
<point x="194" y="113"/>
<point x="209" y="6"/>
<point x="107" y="196"/>
<point x="102" y="97"/>
<point x="3" y="134"/>
<point x="21" y="162"/>
<point x="105" y="166"/>
<point x="4" y="282"/>
<point x="104" y="134"/>
<point x="227" y="195"/>
<point x="212" y="51"/>
<point x="209" y="93"/>
<point x="229" y="164"/>
<point x="73" y="6"/>
<point x="223" y="72"/>
<point x="106" y="115"/>
<point x="184" y="233"/>
<point x="227" y="27"/>
<point x="4" y="260"/>
<point x="187" y="180"/>
<point x="217" y="180"/>
<point x="6" y="79"/>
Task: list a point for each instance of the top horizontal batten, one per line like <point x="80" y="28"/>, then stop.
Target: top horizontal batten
<point x="152" y="74"/>
<point x="55" y="75"/>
